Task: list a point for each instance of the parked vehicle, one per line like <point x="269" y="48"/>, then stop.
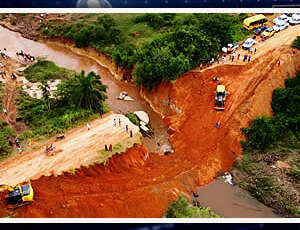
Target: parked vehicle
<point x="295" y="19"/>
<point x="259" y="30"/>
<point x="288" y="14"/>
<point x="248" y="43"/>
<point x="282" y="17"/>
<point x="232" y="46"/>
<point x="254" y="22"/>
<point x="268" y="33"/>
<point x="281" y="25"/>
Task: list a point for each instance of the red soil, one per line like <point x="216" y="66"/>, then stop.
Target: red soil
<point x="137" y="185"/>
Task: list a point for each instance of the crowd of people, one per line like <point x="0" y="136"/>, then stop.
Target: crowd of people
<point x="27" y="57"/>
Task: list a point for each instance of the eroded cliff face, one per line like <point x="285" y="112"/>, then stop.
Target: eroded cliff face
<point x="187" y="107"/>
<point x="141" y="184"/>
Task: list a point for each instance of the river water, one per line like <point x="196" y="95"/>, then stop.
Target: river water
<point x="64" y="57"/>
<point x="228" y="201"/>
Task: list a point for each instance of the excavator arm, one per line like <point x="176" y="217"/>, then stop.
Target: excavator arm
<point x="7" y="187"/>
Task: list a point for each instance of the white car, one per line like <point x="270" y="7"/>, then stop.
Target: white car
<point x="282" y="17"/>
<point x="248" y="43"/>
<point x="295" y="19"/>
<point x="281" y="25"/>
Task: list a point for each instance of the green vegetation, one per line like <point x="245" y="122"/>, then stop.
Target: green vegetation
<point x="5" y="148"/>
<point x="44" y="70"/>
<point x="119" y="148"/>
<point x="1" y="95"/>
<point x="181" y="208"/>
<point x="77" y="99"/>
<point x="160" y="46"/>
<point x="133" y="118"/>
<point x="296" y="43"/>
<point x="270" y="140"/>
<point x="284" y="124"/>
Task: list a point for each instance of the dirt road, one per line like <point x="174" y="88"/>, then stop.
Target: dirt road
<point x="130" y="186"/>
<point x="79" y="148"/>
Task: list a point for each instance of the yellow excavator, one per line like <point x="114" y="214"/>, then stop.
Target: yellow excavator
<point x="18" y="196"/>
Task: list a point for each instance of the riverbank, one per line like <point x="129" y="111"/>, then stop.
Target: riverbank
<point x="201" y="150"/>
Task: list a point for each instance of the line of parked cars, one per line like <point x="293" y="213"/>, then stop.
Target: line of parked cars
<point x="281" y="22"/>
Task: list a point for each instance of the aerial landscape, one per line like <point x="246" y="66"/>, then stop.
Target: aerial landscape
<point x="149" y="115"/>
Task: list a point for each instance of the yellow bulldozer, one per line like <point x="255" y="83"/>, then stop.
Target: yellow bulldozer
<point x="220" y="97"/>
<point x="18" y="196"/>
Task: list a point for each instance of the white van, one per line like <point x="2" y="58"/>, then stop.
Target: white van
<point x="281" y="25"/>
<point x="295" y="19"/>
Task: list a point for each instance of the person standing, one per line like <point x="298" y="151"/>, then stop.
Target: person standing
<point x="223" y="59"/>
<point x="278" y="63"/>
<point x="115" y="122"/>
<point x="20" y="150"/>
<point x="88" y="126"/>
<point x="119" y="122"/>
<point x="131" y="134"/>
<point x="255" y="50"/>
<point x="101" y="112"/>
<point x="217" y="125"/>
<point x="249" y="59"/>
<point x="126" y="128"/>
<point x="106" y="148"/>
<point x="17" y="143"/>
<point x="110" y="147"/>
<point x="238" y="57"/>
<point x="4" y="111"/>
<point x="218" y="60"/>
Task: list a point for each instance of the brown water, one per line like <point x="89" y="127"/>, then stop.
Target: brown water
<point x="231" y="201"/>
<point x="64" y="57"/>
<point x="226" y="200"/>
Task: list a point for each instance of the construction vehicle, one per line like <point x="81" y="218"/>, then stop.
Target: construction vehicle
<point x="18" y="196"/>
<point x="220" y="96"/>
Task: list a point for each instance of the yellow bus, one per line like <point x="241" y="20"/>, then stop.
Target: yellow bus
<point x="255" y="22"/>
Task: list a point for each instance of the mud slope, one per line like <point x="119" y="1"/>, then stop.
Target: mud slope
<point x="136" y="184"/>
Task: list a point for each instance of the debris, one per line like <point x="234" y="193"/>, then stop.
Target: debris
<point x="228" y="178"/>
<point x="143" y="116"/>
<point x="124" y="96"/>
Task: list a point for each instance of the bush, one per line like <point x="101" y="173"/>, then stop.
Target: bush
<point x="296" y="43"/>
<point x="155" y="21"/>
<point x="5" y="148"/>
<point x="181" y="208"/>
<point x="261" y="133"/>
<point x="133" y="118"/>
<point x="285" y="123"/>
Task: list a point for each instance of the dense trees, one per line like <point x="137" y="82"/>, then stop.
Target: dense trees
<point x="77" y="99"/>
<point x="286" y="120"/>
<point x="181" y="41"/>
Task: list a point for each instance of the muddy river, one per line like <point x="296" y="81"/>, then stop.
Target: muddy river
<point x="230" y="203"/>
<point x="64" y="57"/>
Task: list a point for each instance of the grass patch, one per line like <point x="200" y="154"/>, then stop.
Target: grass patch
<point x="44" y="70"/>
<point x="133" y="118"/>
<point x="118" y="148"/>
<point x="5" y="148"/>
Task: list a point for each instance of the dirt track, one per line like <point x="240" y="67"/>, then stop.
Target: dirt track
<point x="132" y="187"/>
<point x="79" y="148"/>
